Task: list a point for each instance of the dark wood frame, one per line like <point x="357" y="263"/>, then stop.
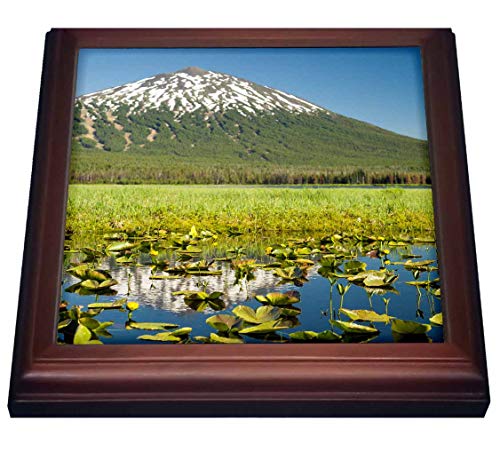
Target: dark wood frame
<point x="447" y="379"/>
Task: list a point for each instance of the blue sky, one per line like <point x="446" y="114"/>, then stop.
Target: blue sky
<point x="382" y="86"/>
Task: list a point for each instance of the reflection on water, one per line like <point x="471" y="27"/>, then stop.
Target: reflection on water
<point x="158" y="304"/>
<point x="158" y="294"/>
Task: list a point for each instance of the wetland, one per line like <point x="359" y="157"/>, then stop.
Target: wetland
<point x="249" y="264"/>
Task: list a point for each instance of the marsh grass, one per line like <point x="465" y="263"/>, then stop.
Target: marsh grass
<point x="392" y="212"/>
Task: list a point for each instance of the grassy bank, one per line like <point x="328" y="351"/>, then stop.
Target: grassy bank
<point x="392" y="212"/>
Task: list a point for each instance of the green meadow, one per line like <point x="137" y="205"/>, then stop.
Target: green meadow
<point x="249" y="264"/>
<point x="395" y="212"/>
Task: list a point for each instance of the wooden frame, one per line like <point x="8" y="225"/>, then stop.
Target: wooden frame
<point x="447" y="379"/>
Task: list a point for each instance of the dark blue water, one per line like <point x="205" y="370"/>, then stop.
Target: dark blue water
<point x="158" y="304"/>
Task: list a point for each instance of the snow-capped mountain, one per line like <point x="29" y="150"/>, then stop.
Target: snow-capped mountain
<point x="194" y="89"/>
<point x="195" y="119"/>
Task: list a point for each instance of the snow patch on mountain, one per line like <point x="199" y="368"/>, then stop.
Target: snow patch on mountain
<point x="192" y="89"/>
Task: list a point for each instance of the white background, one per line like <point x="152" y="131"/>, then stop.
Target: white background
<point x="22" y="36"/>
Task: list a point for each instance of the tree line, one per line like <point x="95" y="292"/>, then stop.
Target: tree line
<point x="184" y="174"/>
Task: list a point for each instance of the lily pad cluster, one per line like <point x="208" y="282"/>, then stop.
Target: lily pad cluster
<point x="277" y="313"/>
<point x="173" y="255"/>
<point x="80" y="327"/>
<point x="92" y="281"/>
<point x="200" y="300"/>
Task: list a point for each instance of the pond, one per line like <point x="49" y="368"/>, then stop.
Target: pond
<point x="377" y="283"/>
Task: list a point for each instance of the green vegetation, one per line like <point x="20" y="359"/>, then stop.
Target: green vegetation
<point x="78" y="126"/>
<point x="94" y="209"/>
<point x="111" y="138"/>
<point x="229" y="148"/>
<point x="95" y="166"/>
<point x="273" y="315"/>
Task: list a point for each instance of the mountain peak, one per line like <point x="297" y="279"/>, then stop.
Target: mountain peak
<point x="195" y="117"/>
<point x="193" y="89"/>
<point x="192" y="70"/>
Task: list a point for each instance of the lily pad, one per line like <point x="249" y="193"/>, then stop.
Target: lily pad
<point x="418" y="283"/>
<point x="374" y="281"/>
<point x="353" y="267"/>
<point x="182" y="332"/>
<point x="199" y="300"/>
<point x="63" y="324"/>
<point x="80" y="271"/>
<point x="292" y="274"/>
<point x="90" y="284"/>
<point x="96" y="286"/>
<point x="374" y="278"/>
<point x="107" y="284"/>
<point x="329" y="263"/>
<point x="90" y="323"/>
<point x="418" y="265"/>
<point x="261" y="315"/>
<point x="120" y="247"/>
<point x="409" y="327"/>
<point x="437" y="319"/>
<point x="101" y="329"/>
<point x="312" y="336"/>
<point x="290" y="311"/>
<point x="353" y="328"/>
<point x="82" y="335"/>
<point x="126" y="259"/>
<point x="304" y="262"/>
<point x="216" y="339"/>
<point x="118" y="304"/>
<point x="267" y="327"/>
<point x="279" y="299"/>
<point x="204" y="272"/>
<point x="436" y="292"/>
<point x="380" y="290"/>
<point x="149" y="326"/>
<point x="363" y="315"/>
<point x="224" y="322"/>
<point x="98" y="275"/>
<point x="160" y="337"/>
<point x="170" y="336"/>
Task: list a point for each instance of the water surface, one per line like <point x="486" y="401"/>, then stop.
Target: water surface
<point x="159" y="304"/>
